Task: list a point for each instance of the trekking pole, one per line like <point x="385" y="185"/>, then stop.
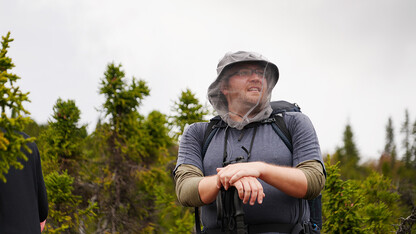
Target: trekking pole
<point x="239" y="214"/>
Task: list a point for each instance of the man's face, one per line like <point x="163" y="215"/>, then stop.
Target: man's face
<point x="246" y="86"/>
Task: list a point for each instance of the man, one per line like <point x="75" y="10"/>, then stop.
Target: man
<point x="23" y="200"/>
<point x="270" y="180"/>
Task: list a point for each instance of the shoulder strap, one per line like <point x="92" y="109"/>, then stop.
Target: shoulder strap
<point x="299" y="227"/>
<point x="197" y="221"/>
<point x="315" y="206"/>
<point x="278" y="123"/>
<point x="281" y="130"/>
<point x="209" y="134"/>
<point x="284" y="106"/>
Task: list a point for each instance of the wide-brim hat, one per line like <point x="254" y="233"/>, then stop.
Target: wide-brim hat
<point x="232" y="58"/>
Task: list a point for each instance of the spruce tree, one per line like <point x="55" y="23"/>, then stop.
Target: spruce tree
<point x="134" y="155"/>
<point x="348" y="155"/>
<point x="187" y="110"/>
<point x="340" y="203"/>
<point x="389" y="148"/>
<point x="406" y="131"/>
<point x="63" y="141"/>
<point x="122" y="143"/>
<point x="64" y="162"/>
<point x="14" y="117"/>
<point x="367" y="205"/>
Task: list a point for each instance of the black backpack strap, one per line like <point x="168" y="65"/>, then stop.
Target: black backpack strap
<point x="197" y="221"/>
<point x="279" y="106"/>
<point x="209" y="134"/>
<point x="280" y="128"/>
<point x="315" y="206"/>
<point x="299" y="227"/>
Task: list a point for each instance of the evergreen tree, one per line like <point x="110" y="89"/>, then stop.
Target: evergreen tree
<point x="340" y="203"/>
<point x="380" y="204"/>
<point x="63" y="161"/>
<point x="66" y="214"/>
<point x="13" y="115"/>
<point x="159" y="141"/>
<point x="122" y="145"/>
<point x="358" y="206"/>
<point x="390" y="147"/>
<point x="387" y="162"/>
<point x="348" y="155"/>
<point x="136" y="193"/>
<point x="157" y="183"/>
<point x="405" y="130"/>
<point x="187" y="110"/>
<point x="62" y="142"/>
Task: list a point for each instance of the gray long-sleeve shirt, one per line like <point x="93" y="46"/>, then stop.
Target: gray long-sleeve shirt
<point x="267" y="147"/>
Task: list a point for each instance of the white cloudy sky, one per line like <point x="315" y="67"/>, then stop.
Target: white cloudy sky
<point x="343" y="61"/>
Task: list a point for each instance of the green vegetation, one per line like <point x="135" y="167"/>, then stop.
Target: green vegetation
<point x="187" y="110"/>
<point x="13" y="115"/>
<point x="117" y="179"/>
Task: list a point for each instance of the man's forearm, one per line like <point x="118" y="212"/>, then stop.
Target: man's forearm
<point x="208" y="189"/>
<point x="291" y="181"/>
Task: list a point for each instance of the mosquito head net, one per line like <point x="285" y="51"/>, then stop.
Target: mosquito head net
<point x="242" y="91"/>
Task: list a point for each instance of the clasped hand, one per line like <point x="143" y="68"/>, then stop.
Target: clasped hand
<point x="243" y="176"/>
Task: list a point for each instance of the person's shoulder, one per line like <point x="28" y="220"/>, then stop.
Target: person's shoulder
<point x="200" y="124"/>
<point x="297" y="119"/>
<point x="197" y="126"/>
<point x="293" y="115"/>
<point x="196" y="129"/>
<point x="193" y="134"/>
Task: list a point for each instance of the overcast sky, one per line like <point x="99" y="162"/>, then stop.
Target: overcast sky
<point x="342" y="61"/>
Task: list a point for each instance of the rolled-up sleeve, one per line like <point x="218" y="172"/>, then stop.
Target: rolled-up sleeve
<point x="187" y="178"/>
<point x="315" y="177"/>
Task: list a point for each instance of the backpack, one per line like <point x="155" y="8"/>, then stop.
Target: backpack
<point x="277" y="122"/>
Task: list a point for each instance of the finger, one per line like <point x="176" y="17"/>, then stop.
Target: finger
<point x="225" y="182"/>
<point x="219" y="184"/>
<point x="236" y="176"/>
<point x="221" y="180"/>
<point x="239" y="186"/>
<point x="225" y="176"/>
<point x="239" y="172"/>
<point x="260" y="191"/>
<point x="254" y="190"/>
<point x="247" y="190"/>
